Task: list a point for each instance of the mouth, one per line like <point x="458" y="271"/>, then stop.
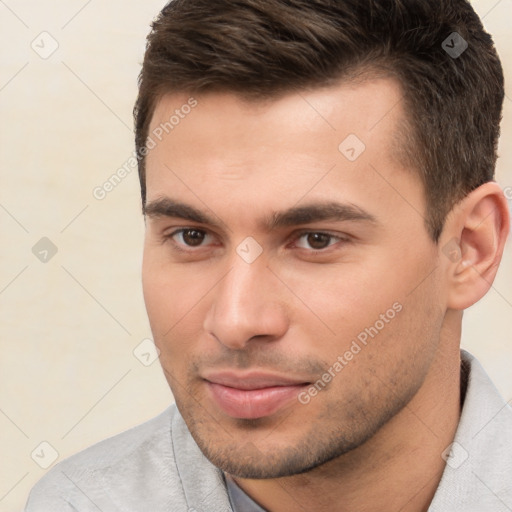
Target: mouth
<point x="252" y="395"/>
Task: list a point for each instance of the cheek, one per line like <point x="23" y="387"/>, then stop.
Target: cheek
<point x="173" y="300"/>
<point x="382" y="300"/>
<point x="340" y="300"/>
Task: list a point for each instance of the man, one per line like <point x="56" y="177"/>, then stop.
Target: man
<point x="317" y="185"/>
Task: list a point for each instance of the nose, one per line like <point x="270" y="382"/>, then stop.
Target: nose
<point x="246" y="305"/>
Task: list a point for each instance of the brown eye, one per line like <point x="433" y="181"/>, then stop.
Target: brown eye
<point x="193" y="237"/>
<point x="190" y="237"/>
<point x="318" y="240"/>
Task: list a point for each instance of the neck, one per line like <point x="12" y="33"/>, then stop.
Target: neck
<point x="398" y="469"/>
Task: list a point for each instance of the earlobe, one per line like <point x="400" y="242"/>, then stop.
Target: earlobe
<point x="479" y="227"/>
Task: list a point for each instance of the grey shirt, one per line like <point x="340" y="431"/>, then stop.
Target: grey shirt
<point x="240" y="501"/>
<point x="158" y="467"/>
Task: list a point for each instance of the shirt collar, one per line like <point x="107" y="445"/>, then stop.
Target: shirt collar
<point x="240" y="501"/>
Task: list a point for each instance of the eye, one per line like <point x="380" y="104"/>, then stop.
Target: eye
<point x="316" y="240"/>
<point x="189" y="237"/>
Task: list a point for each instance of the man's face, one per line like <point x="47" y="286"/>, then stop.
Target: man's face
<point x="302" y="311"/>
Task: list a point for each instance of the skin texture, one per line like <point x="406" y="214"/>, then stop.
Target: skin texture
<point x="383" y="420"/>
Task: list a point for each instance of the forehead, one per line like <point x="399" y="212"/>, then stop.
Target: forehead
<point x="358" y="106"/>
<point x="319" y="144"/>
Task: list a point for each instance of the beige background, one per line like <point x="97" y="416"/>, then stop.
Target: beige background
<point x="70" y="325"/>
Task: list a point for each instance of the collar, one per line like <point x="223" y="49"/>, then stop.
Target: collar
<point x="239" y="500"/>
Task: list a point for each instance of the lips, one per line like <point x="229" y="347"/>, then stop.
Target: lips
<point x="252" y="395"/>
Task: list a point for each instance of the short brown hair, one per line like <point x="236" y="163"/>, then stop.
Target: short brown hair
<point x="260" y="49"/>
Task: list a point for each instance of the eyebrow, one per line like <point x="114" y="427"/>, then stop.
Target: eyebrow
<point x="315" y="212"/>
<point x="307" y="214"/>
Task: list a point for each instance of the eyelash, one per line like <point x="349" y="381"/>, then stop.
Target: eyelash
<point x="296" y="236"/>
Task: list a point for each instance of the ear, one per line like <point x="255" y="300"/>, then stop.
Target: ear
<point x="472" y="244"/>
